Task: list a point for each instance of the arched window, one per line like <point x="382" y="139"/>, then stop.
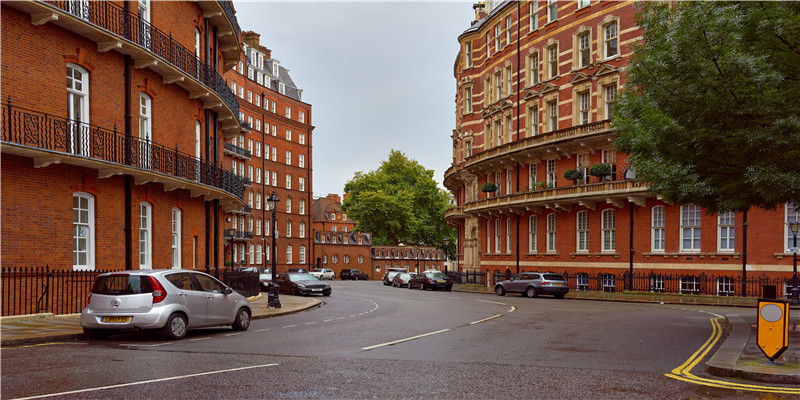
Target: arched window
<point x="83" y="250"/>
<point x="78" y="109"/>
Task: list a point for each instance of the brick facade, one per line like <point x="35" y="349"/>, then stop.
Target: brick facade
<point x="336" y="244"/>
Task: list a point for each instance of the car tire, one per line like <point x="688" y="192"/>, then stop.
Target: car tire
<point x="499" y="290"/>
<point x="96" y="333"/>
<point x="531" y="292"/>
<point x="559" y="296"/>
<point x="175" y="328"/>
<point x="242" y="321"/>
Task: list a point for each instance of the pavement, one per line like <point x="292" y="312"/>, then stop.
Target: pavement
<point x="738" y="357"/>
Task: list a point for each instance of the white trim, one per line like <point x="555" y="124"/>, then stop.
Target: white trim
<point x="88" y="230"/>
<point x="145" y="235"/>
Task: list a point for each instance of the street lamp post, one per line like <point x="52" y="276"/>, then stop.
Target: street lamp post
<point x="231" y="235"/>
<point x="795" y="227"/>
<point x="272" y="298"/>
<point x="445" y="241"/>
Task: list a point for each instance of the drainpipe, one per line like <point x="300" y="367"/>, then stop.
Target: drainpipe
<point x="128" y="178"/>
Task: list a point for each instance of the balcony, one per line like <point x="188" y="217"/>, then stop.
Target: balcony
<point x="236" y="151"/>
<point x="245" y="210"/>
<point x="238" y="235"/>
<point x="616" y="193"/>
<point x="52" y="140"/>
<point x="563" y="142"/>
<point x="114" y="28"/>
<point x="454" y="214"/>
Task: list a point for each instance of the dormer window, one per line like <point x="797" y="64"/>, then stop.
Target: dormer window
<point x="281" y="88"/>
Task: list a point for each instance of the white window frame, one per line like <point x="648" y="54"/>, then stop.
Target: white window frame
<point x="145" y="235"/>
<point x="488" y="237"/>
<point x="691" y="228"/>
<point x="584" y="49"/>
<point x="584" y="107"/>
<point x="508" y="235"/>
<point x="288" y="254"/>
<point x="551" y="233"/>
<point x="657" y="229"/>
<point x="78" y="106"/>
<point x="552" y="171"/>
<point x="608" y="226"/>
<point x="726" y="232"/>
<point x="497" y="238"/>
<point x="532" y="228"/>
<point x="611" y="40"/>
<point x="582" y="231"/>
<point x="792" y="214"/>
<point x="85" y="225"/>
<point x="552" y="11"/>
<point x="532" y="175"/>
<point x="534" y="16"/>
<point x="552" y="112"/>
<point x="176" y="237"/>
<point x="552" y="61"/>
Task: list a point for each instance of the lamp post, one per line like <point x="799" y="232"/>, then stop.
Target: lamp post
<point x="272" y="297"/>
<point x="445" y="241"/>
<point x="795" y="227"/>
<point x="231" y="235"/>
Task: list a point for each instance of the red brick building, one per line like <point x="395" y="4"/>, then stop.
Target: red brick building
<point x="536" y="86"/>
<point x="272" y="154"/>
<point x="114" y="118"/>
<point x="336" y="244"/>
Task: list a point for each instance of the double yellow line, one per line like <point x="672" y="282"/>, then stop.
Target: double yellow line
<point x="684" y="371"/>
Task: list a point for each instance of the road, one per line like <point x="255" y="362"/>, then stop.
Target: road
<point x="372" y="341"/>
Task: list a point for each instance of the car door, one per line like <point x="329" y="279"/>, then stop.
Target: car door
<point x="517" y="284"/>
<point x="220" y="305"/>
<point x="191" y="296"/>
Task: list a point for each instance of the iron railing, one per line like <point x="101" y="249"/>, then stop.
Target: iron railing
<point x="33" y="290"/>
<point x="699" y="284"/>
<point x="62" y="135"/>
<point x="236" y="150"/>
<point x="130" y="26"/>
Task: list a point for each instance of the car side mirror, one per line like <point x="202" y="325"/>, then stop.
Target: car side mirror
<point x="227" y="290"/>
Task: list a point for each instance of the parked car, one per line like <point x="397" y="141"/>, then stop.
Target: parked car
<point x="171" y="300"/>
<point x="390" y="273"/>
<point x="431" y="280"/>
<point x="532" y="284"/>
<point x="264" y="276"/>
<point x="323" y="273"/>
<point x="299" y="283"/>
<point x="354" y="274"/>
<point x="301" y="270"/>
<point x="402" y="279"/>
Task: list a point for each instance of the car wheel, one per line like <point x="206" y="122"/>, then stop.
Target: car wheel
<point x="499" y="290"/>
<point x="242" y="321"/>
<point x="96" y="333"/>
<point x="326" y="294"/>
<point x="175" y="327"/>
<point x="531" y="292"/>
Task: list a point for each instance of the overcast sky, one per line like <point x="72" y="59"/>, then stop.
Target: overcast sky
<point x="378" y="75"/>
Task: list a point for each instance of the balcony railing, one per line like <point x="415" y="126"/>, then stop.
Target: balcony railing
<point x="237" y="151"/>
<point x="65" y="136"/>
<point x="128" y="25"/>
<point x="239" y="235"/>
<point x="231" y="14"/>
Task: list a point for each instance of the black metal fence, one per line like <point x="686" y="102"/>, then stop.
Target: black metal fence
<point x="33" y="290"/>
<point x="40" y="130"/>
<point x="700" y="284"/>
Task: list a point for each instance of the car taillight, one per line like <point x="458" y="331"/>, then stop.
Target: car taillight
<point x="159" y="294"/>
<point x="545" y="283"/>
<point x="89" y="298"/>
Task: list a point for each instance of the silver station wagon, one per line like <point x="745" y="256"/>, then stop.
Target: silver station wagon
<point x="532" y="284"/>
<point x="171" y="300"/>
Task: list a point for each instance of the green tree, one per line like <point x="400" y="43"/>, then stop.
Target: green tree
<point x="399" y="203"/>
<point x="710" y="114"/>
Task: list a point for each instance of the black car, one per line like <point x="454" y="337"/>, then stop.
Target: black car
<point x="354" y="274"/>
<point x="264" y="276"/>
<point x="298" y="283"/>
<point x="431" y="280"/>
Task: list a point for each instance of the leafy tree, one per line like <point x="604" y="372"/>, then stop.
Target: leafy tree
<point x="710" y="112"/>
<point x="399" y="203"/>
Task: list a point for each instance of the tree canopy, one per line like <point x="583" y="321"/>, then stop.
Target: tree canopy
<point x="710" y="113"/>
<point x="399" y="203"/>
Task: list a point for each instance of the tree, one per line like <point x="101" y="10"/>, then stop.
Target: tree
<point x="709" y="114"/>
<point x="399" y="203"/>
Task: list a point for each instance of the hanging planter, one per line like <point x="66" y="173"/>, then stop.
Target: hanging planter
<point x="488" y="187"/>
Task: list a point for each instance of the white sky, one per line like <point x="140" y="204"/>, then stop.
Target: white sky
<point x="378" y="75"/>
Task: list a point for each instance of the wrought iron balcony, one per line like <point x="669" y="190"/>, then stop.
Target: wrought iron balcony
<point x="238" y="235"/>
<point x="236" y="151"/>
<point x="50" y="139"/>
<point x="244" y="210"/>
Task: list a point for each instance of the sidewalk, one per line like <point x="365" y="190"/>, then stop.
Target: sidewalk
<point x="739" y="356"/>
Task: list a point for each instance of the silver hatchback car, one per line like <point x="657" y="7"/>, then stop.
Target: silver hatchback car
<point x="172" y="301"/>
<point x="532" y="284"/>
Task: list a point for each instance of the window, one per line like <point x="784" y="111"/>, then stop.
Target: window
<point x="584" y="107"/>
<point x="509" y="80"/>
<point x="288" y="113"/>
<point x="488" y="237"/>
<point x="288" y="254"/>
<point x="301" y="207"/>
<point x="258" y="227"/>
<point x="690" y="285"/>
<point x="657" y="283"/>
<point x="301" y="230"/>
<point x="258" y="175"/>
<point x="302" y="255"/>
<point x="301" y="138"/>
<point x="288" y="181"/>
<point x="533" y="69"/>
<point x="251" y="250"/>
<point x="288" y="229"/>
<point x="145" y="236"/>
<point x="534" y="16"/>
<point x="301" y="160"/>
<point x="144" y="24"/>
<point x="83" y="231"/>
<point x="583" y="3"/>
<point x="610" y="40"/>
<point x="533" y="121"/>
<point x="288" y="157"/>
<point x="488" y="44"/>
<point x="176" y="238"/>
<point x="288" y="135"/>
<point x="609" y="226"/>
<point x="725" y="286"/>
<point x="657" y="229"/>
<point x="584" y="50"/>
<point x="78" y="108"/>
<point x="792" y="215"/>
<point x="288" y="205"/>
<point x="532" y="227"/>
<point x="497" y="179"/>
<point x="582" y="163"/>
<point x="250" y="92"/>
<point x="508" y="235"/>
<point x="274" y="153"/>
<point x="258" y="196"/>
<point x="552" y="10"/>
<point x="259" y="252"/>
<point x="274" y="178"/>
<point x="551" y="233"/>
<point x="273" y="107"/>
<point x="497" y="226"/>
<point x="552" y="61"/>
<point x="508" y="30"/>
<point x="145" y="126"/>
<point x="726" y="238"/>
<point x="609" y="94"/>
<point x="582" y="230"/>
<point x="582" y="281"/>
<point x="468" y="100"/>
<point x="532" y="175"/>
<point x="468" y="54"/>
<point x="551" y="173"/>
<point x="498" y="86"/>
<point x="497" y="38"/>
<point x="552" y="107"/>
<point x="690" y="228"/>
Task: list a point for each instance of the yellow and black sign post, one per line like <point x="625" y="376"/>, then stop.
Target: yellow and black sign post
<point x="773" y="327"/>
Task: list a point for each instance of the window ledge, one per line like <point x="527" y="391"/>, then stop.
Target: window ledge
<point x="788" y="254"/>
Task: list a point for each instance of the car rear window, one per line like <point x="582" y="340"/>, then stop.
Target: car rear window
<point x="553" y="277"/>
<point x="122" y="284"/>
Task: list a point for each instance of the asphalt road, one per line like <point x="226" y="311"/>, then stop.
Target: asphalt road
<point x="373" y="341"/>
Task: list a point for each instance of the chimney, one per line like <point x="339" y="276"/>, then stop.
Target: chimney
<point x="334" y="198"/>
<point x="480" y="10"/>
<point x="251" y="39"/>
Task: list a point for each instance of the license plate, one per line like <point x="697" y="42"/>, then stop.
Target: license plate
<point x="316" y="290"/>
<point x="116" y="319"/>
<point x="441" y="281"/>
<point x="558" y="284"/>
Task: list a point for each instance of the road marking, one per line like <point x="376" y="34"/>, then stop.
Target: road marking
<point x="147" y="345"/>
<point x="234" y="334"/>
<point x="202" y="338"/>
<point x="145" y="382"/>
<point x="311" y="323"/>
<point x="289" y="326"/>
<point x="263" y="330"/>
<point x="684" y="371"/>
<point x="486" y="319"/>
<point x="492" y="302"/>
<point x="328" y="320"/>
<point x="404" y="340"/>
<point x="512" y="309"/>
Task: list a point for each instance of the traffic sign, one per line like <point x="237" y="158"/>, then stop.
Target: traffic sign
<point x="773" y="327"/>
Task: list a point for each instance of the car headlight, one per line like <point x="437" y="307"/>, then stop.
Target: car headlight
<point x="301" y="285"/>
